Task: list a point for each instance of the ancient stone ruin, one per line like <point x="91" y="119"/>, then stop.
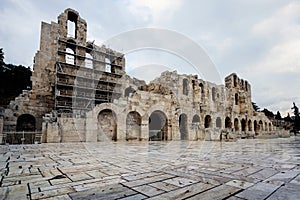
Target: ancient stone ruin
<point x="80" y="92"/>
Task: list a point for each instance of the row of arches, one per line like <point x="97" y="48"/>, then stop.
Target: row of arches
<point x="255" y="126"/>
<point x="158" y="125"/>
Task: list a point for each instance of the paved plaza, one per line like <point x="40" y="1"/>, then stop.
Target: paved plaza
<point x="245" y="169"/>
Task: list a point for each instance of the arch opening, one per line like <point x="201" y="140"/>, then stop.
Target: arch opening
<point x="70" y="58"/>
<point x="213" y="93"/>
<point x="228" y="123"/>
<point x="185" y="86"/>
<point x="133" y="126"/>
<point x="207" y="121"/>
<point x="26" y="122"/>
<point x="107" y="125"/>
<point x="236" y="124"/>
<point x="88" y="62"/>
<point x="158" y="126"/>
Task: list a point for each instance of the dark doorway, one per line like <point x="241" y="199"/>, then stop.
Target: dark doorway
<point x="26" y="122"/>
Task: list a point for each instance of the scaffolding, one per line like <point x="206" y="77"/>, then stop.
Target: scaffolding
<point x="79" y="88"/>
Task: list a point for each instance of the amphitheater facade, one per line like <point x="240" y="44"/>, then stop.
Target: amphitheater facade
<point x="81" y="92"/>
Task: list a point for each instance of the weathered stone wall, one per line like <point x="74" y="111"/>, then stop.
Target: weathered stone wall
<point x="183" y="107"/>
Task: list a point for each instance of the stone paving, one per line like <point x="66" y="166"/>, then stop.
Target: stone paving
<point x="246" y="169"/>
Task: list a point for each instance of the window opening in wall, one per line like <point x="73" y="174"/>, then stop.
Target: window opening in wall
<point x="71" y="24"/>
<point x="88" y="62"/>
<point x="236" y="124"/>
<point x="70" y="58"/>
<point x="234" y="80"/>
<point x="207" y="121"/>
<point x="107" y="65"/>
<point x="236" y="99"/>
<point x="227" y="122"/>
<point x="213" y="93"/>
<point x="185" y="87"/>
<point x="71" y="29"/>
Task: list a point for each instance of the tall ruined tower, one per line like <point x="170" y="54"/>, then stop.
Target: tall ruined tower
<point x="71" y="75"/>
<point x="239" y="94"/>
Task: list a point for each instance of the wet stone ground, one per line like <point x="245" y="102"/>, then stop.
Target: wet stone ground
<point x="246" y="169"/>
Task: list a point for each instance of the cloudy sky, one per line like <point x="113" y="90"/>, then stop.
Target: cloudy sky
<point x="259" y="40"/>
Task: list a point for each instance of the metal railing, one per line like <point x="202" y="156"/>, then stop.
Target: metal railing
<point x="21" y="137"/>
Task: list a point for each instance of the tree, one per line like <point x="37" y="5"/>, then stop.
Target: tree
<point x="297" y="117"/>
<point x="268" y="113"/>
<point x="1" y="57"/>
<point x="288" y="118"/>
<point x="255" y="107"/>
<point x="13" y="79"/>
<point x="278" y="116"/>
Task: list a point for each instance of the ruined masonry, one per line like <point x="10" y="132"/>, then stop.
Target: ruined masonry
<point x="80" y="92"/>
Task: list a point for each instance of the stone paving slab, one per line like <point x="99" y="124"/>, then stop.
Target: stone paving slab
<point x="245" y="169"/>
<point x="258" y="191"/>
<point x="286" y="192"/>
<point x="219" y="192"/>
<point x="184" y="192"/>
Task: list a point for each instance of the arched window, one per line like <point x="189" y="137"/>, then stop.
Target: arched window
<point x="236" y="99"/>
<point x="88" y="62"/>
<point x="228" y="123"/>
<point x="107" y="65"/>
<point x="234" y="80"/>
<point x="207" y="121"/>
<point x="236" y="124"/>
<point x="213" y="94"/>
<point x="185" y="87"/>
<point x="218" y="122"/>
<point x="70" y="58"/>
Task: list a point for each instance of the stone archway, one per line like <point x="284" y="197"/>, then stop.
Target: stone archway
<point x="228" y="123"/>
<point x="183" y="127"/>
<point x="236" y="125"/>
<point x="107" y="125"/>
<point x="207" y="121"/>
<point x="133" y="126"/>
<point x="26" y="122"/>
<point x="158" y="126"/>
